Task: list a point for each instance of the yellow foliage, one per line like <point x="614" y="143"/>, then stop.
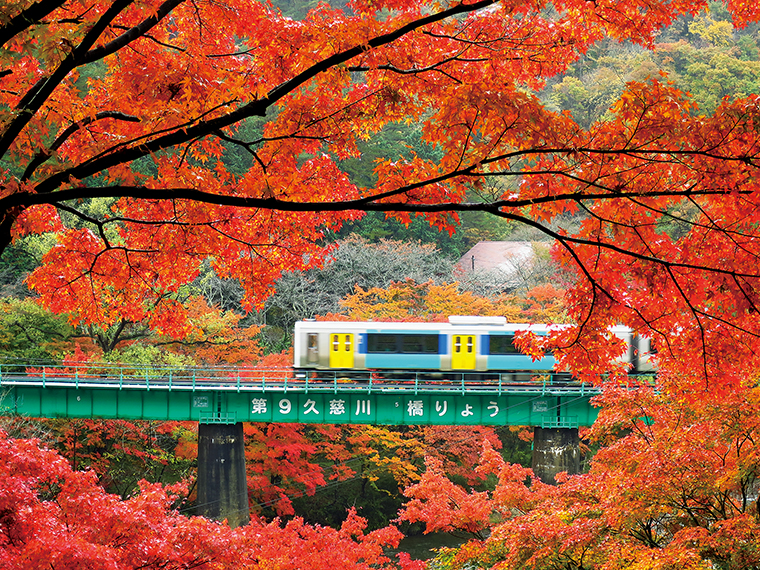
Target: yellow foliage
<point x="410" y="301"/>
<point x="719" y="34"/>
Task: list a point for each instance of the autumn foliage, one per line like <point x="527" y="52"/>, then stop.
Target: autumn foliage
<point x="675" y="486"/>
<point x="410" y="301"/>
<point x="53" y="516"/>
<point x="154" y="137"/>
<point x="286" y="462"/>
<point x="151" y="145"/>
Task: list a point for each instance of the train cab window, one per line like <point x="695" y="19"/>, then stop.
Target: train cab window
<point x="312" y="348"/>
<point x="502" y="344"/>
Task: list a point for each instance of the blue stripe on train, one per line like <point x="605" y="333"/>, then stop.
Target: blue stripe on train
<point x="404" y="361"/>
<point x="518" y="362"/>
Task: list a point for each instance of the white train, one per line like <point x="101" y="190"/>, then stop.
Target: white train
<point x="462" y="345"/>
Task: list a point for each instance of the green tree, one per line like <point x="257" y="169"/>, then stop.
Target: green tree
<point x="29" y="333"/>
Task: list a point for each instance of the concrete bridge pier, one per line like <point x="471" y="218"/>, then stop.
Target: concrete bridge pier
<point x="222" y="488"/>
<point x="555" y="450"/>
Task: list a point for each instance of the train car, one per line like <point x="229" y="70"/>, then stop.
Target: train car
<point x="463" y="344"/>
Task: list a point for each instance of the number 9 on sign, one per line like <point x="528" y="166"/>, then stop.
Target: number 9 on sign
<point x="285" y="406"/>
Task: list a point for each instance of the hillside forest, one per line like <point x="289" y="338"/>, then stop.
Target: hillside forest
<point x="183" y="181"/>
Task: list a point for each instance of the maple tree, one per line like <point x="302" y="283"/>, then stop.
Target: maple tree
<point x="289" y="462"/>
<point x="53" y="516"/>
<point x="674" y="486"/>
<point x="142" y="104"/>
<point x="123" y="453"/>
<point x="30" y="333"/>
<point x="213" y="336"/>
<point x="458" y="448"/>
<point x="281" y="463"/>
<point x="120" y="453"/>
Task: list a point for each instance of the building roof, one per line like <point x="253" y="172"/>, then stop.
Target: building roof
<point x="505" y="256"/>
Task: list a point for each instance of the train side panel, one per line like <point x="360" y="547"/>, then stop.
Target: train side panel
<point x="519" y="362"/>
<point x="403" y="361"/>
<point x="459" y="346"/>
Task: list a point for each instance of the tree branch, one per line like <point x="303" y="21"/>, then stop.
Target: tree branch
<point x="27" y="18"/>
<point x="42" y="156"/>
<point x="254" y="108"/>
<point x="31" y="103"/>
<point x="132" y="34"/>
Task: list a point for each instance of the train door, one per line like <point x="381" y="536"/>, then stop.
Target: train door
<point x="312" y="348"/>
<point x="463" y="355"/>
<point x="341" y="350"/>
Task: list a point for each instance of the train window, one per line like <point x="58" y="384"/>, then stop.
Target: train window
<point x="419" y="343"/>
<point x="312" y="348"/>
<point x="470" y="340"/>
<point x="381" y="343"/>
<point x="403" y="343"/>
<point x="502" y="344"/>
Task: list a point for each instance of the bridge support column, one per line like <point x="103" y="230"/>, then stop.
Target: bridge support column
<point x="222" y="487"/>
<point x="555" y="450"/>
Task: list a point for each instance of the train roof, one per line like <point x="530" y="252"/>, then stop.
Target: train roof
<point x="456" y="323"/>
<point x="463" y="324"/>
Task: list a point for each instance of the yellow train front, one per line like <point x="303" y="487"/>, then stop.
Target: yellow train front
<point x="461" y="345"/>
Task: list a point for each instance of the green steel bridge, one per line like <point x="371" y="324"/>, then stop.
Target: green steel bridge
<point x="230" y="395"/>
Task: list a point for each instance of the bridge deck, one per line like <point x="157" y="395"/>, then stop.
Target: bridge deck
<point x="228" y="395"/>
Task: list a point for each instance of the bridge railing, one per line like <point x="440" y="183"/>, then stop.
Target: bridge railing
<point x="131" y="375"/>
<point x="106" y="375"/>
